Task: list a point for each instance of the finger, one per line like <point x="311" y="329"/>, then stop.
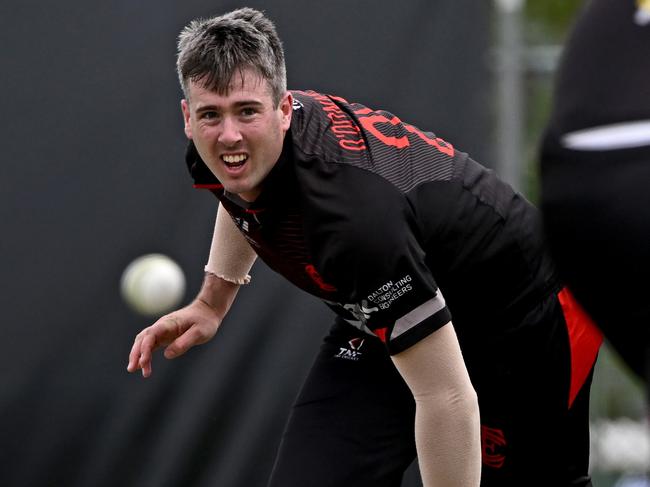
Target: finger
<point x="147" y="346"/>
<point x="146" y="369"/>
<point x="134" y="355"/>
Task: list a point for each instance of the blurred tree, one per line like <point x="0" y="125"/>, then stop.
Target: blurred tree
<point x="549" y="20"/>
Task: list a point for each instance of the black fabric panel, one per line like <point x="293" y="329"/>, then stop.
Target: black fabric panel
<point x="93" y="176"/>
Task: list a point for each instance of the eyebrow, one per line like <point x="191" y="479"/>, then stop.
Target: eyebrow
<point x="237" y="104"/>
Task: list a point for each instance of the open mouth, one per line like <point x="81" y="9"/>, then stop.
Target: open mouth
<point x="234" y="160"/>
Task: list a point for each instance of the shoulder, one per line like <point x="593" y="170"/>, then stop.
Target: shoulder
<point x="326" y="126"/>
<point x="351" y="211"/>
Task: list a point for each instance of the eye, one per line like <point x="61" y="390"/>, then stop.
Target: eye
<point x="248" y="111"/>
<point x="208" y="115"/>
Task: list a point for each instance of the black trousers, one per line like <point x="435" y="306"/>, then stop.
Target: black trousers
<point x="353" y="422"/>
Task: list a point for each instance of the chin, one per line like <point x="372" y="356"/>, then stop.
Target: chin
<point x="235" y="188"/>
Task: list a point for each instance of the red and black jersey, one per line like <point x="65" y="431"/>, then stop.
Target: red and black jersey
<point x="381" y="220"/>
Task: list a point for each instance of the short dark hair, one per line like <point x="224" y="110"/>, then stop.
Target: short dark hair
<point x="211" y="51"/>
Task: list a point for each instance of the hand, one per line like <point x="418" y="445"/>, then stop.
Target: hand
<point x="178" y="331"/>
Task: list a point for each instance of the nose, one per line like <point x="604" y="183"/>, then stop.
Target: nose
<point x="230" y="134"/>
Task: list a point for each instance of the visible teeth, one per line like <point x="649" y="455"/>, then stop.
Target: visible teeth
<point x="234" y="159"/>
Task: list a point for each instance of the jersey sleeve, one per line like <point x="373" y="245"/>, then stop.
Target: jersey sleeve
<point x="362" y="233"/>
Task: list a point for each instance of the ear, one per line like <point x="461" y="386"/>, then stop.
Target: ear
<point x="185" y="107"/>
<point x="286" y="107"/>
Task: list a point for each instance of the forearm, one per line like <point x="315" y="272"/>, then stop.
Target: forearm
<point x="447" y="424"/>
<point x="447" y="439"/>
<point x="217" y="293"/>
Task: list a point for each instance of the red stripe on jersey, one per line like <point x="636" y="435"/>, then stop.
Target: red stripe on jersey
<point x="208" y="186"/>
<point x="316" y="277"/>
<point x="381" y="333"/>
<point x="584" y="341"/>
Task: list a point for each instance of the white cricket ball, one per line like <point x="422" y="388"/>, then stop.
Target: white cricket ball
<point x="153" y="284"/>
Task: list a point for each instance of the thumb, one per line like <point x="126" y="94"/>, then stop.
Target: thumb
<point x="174" y="350"/>
<point x="183" y="343"/>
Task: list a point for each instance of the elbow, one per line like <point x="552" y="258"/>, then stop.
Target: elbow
<point x="459" y="403"/>
<point x="464" y="398"/>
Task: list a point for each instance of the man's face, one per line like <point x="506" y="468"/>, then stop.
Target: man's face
<point x="239" y="135"/>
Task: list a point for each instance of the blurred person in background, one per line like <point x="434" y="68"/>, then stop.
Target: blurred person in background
<point x="595" y="166"/>
<point x="394" y="229"/>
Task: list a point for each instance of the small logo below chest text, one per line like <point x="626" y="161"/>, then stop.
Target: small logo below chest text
<point x="352" y="352"/>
